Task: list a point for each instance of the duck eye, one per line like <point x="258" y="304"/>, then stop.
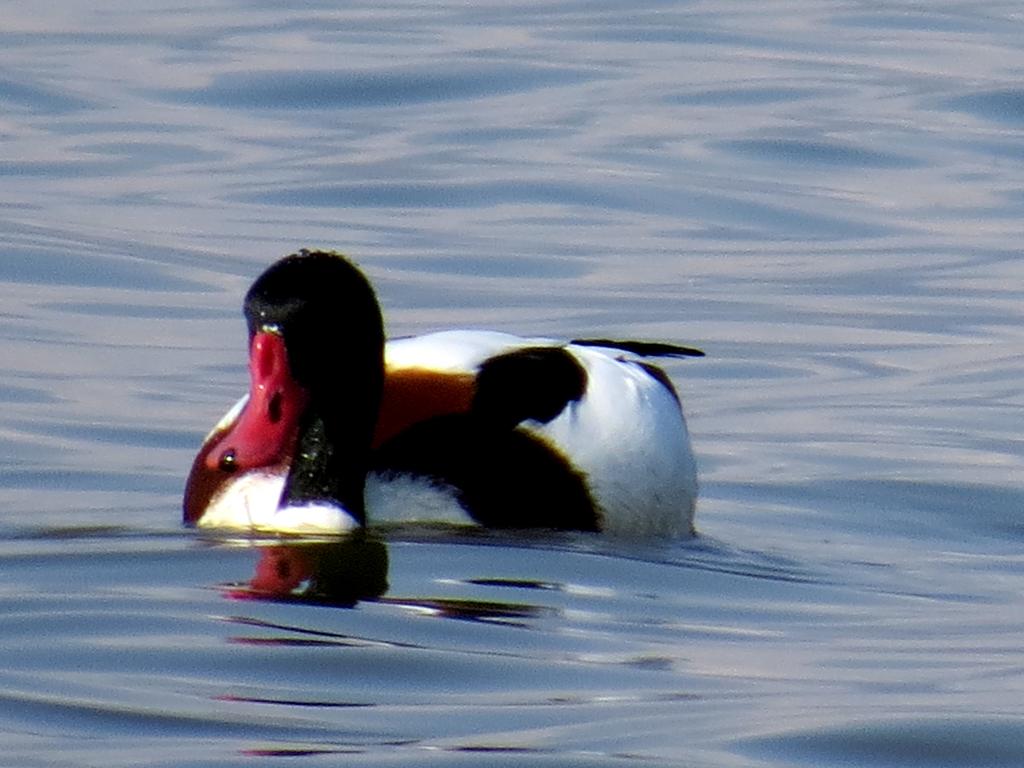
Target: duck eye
<point x="274" y="408"/>
<point x="227" y="461"/>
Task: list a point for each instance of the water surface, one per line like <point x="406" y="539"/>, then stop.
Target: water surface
<point x="825" y="196"/>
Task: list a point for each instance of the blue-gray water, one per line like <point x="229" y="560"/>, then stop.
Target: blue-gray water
<point x="825" y="196"/>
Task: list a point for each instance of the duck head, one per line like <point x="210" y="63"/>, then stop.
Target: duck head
<point x="316" y="367"/>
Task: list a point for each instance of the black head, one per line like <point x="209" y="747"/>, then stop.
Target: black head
<point x="327" y="313"/>
<point x="316" y="344"/>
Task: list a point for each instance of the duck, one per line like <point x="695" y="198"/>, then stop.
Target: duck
<point x="342" y="428"/>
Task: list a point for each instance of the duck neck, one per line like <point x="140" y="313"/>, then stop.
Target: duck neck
<point x="332" y="453"/>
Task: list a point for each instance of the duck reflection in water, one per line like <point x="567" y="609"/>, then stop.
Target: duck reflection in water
<point x="339" y="572"/>
<point x="346" y="571"/>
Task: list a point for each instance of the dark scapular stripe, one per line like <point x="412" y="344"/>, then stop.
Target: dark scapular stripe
<point x="532" y="383"/>
<point x="503" y="476"/>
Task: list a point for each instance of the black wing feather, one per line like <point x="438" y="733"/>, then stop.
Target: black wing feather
<point x="642" y="348"/>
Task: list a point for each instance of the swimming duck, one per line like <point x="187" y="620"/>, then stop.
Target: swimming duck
<point x="341" y="428"/>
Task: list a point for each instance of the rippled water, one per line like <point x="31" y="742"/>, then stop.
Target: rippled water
<point x="825" y="196"/>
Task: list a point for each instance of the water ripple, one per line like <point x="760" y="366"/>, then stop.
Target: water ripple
<point x="40" y="99"/>
<point x="1003" y="106"/>
<point x="949" y="741"/>
<point x="332" y="89"/>
<point x="819" y="152"/>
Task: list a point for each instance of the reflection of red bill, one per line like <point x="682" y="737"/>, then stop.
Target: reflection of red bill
<point x="267" y="426"/>
<point x="281" y="570"/>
